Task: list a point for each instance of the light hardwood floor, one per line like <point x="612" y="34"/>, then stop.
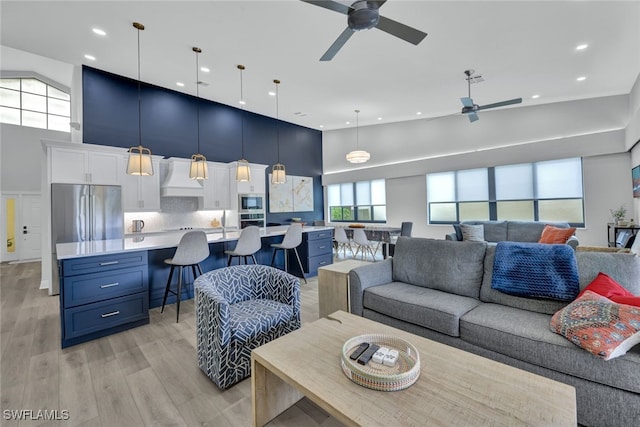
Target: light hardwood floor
<point x="143" y="376"/>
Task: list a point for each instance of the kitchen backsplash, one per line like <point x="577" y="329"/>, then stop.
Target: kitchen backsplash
<point x="176" y="212"/>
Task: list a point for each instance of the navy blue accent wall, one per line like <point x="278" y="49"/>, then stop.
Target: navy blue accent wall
<point x="169" y="128"/>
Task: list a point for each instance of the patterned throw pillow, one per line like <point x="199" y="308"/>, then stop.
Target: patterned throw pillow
<point x="556" y="235"/>
<point x="598" y="325"/>
<point x="472" y="232"/>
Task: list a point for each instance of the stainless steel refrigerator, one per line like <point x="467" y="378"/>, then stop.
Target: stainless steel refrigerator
<point x="81" y="212"/>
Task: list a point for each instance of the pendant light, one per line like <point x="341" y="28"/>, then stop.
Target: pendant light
<point x="243" y="172"/>
<point x="358" y="156"/>
<point x="199" y="168"/>
<point x="278" y="173"/>
<point x="139" y="157"/>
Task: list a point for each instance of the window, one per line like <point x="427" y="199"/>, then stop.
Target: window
<point x="31" y="102"/>
<point x="363" y="201"/>
<point x="541" y="191"/>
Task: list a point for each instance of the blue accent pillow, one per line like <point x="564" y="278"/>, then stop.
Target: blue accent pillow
<point x="536" y="270"/>
<point x="458" y="231"/>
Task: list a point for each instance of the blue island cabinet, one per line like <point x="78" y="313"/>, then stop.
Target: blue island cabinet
<point x="102" y="295"/>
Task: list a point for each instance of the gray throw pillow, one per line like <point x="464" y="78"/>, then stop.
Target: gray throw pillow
<point x="472" y="232"/>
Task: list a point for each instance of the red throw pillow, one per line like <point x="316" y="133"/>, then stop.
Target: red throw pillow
<point x="555" y="235"/>
<point x="607" y="287"/>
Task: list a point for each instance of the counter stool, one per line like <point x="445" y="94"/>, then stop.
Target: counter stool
<point x="191" y="251"/>
<point x="292" y="239"/>
<point x="248" y="244"/>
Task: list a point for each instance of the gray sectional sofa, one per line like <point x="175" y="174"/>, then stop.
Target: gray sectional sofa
<point x="442" y="290"/>
<point x="513" y="231"/>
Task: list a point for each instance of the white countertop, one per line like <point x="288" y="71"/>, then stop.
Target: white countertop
<point x="151" y="241"/>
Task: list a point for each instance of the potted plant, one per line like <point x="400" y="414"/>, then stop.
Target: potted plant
<point x="618" y="215"/>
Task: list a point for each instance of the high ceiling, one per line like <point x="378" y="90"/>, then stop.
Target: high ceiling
<point x="520" y="48"/>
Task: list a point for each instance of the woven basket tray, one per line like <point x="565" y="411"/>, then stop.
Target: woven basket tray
<point x="376" y="375"/>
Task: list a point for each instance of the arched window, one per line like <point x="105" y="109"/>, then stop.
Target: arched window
<point x="29" y="101"/>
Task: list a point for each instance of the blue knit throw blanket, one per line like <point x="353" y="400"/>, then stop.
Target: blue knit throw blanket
<point x="536" y="270"/>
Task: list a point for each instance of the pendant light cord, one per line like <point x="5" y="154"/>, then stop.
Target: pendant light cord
<point x="139" y="96"/>
<point x="277" y="82"/>
<point x="357" y="130"/>
<point x="197" y="51"/>
<point x="241" y="68"/>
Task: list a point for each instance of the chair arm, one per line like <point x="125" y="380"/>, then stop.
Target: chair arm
<point x="573" y="242"/>
<point x="361" y="278"/>
<point x="284" y="288"/>
<point x="212" y="313"/>
<point x="451" y="236"/>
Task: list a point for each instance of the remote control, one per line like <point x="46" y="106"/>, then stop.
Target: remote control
<point x="391" y="358"/>
<point x="359" y="350"/>
<point x="366" y="356"/>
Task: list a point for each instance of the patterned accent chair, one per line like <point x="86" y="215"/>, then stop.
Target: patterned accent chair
<point x="239" y="308"/>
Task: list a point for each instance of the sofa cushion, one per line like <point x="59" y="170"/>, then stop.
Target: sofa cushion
<point x="528" y="231"/>
<point x="556" y="235"/>
<point x="623" y="268"/>
<point x="421" y="306"/>
<point x="455" y="267"/>
<point x="607" y="287"/>
<point x="525" y="335"/>
<point x="488" y="294"/>
<point x="536" y="270"/>
<point x="252" y="318"/>
<point x="599" y="325"/>
<point x="494" y="231"/>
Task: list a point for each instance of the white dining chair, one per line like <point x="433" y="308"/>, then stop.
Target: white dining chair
<point x="342" y="241"/>
<point x="364" y="244"/>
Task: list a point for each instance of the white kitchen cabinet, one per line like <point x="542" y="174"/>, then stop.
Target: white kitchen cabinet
<point x="216" y="188"/>
<point x="81" y="166"/>
<point x="140" y="193"/>
<point x="255" y="186"/>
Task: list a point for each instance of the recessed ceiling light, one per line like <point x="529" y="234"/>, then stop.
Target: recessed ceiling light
<point x="419" y="113"/>
<point x="180" y="84"/>
<point x="379" y="118"/>
<point x="581" y="78"/>
<point x="321" y="126"/>
<point x="90" y="57"/>
<point x="535" y="96"/>
<point x="272" y="94"/>
<point x="242" y="102"/>
<point x="204" y="69"/>
<point x="582" y="46"/>
<point x="99" y="32"/>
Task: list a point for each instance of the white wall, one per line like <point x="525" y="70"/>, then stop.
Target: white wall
<point x="21" y="151"/>
<point x="633" y="138"/>
<point x="404" y="153"/>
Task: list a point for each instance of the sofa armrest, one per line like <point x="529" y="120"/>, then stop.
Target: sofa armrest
<point x="451" y="236"/>
<point x="361" y="278"/>
<point x="573" y="242"/>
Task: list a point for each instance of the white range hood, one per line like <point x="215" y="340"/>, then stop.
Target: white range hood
<point x="178" y="183"/>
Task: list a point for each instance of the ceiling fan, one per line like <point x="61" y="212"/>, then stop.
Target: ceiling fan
<point x="364" y="15"/>
<point x="471" y="109"/>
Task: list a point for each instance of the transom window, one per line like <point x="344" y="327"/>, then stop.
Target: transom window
<point x="363" y="201"/>
<point x="31" y="102"/>
<point x="541" y="191"/>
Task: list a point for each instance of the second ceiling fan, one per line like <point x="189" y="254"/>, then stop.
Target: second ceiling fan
<point x="364" y="15"/>
<point x="471" y="109"/>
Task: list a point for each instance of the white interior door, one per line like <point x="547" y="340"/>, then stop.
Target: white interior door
<point x="29" y="228"/>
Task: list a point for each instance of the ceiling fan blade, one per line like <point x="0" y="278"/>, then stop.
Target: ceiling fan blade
<point x="501" y="104"/>
<point x="335" y="47"/>
<point x="467" y="102"/>
<point x="331" y="5"/>
<point x="399" y="30"/>
<point x="473" y="116"/>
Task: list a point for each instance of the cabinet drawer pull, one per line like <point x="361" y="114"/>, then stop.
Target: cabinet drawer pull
<point x="321" y="247"/>
<point x="113" y="313"/>
<point x="323" y="262"/>
<point x="108" y="263"/>
<point x="109" y="285"/>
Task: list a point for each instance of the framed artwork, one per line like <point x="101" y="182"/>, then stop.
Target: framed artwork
<point x="635" y="178"/>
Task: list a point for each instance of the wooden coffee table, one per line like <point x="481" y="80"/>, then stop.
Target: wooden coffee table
<point x="455" y="388"/>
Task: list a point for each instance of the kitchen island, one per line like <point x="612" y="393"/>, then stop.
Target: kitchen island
<point x="107" y="286"/>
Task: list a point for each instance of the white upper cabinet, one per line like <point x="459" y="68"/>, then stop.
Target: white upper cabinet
<point x="82" y="166"/>
<point x="216" y="188"/>
<point x="140" y="193"/>
<point x="255" y="186"/>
